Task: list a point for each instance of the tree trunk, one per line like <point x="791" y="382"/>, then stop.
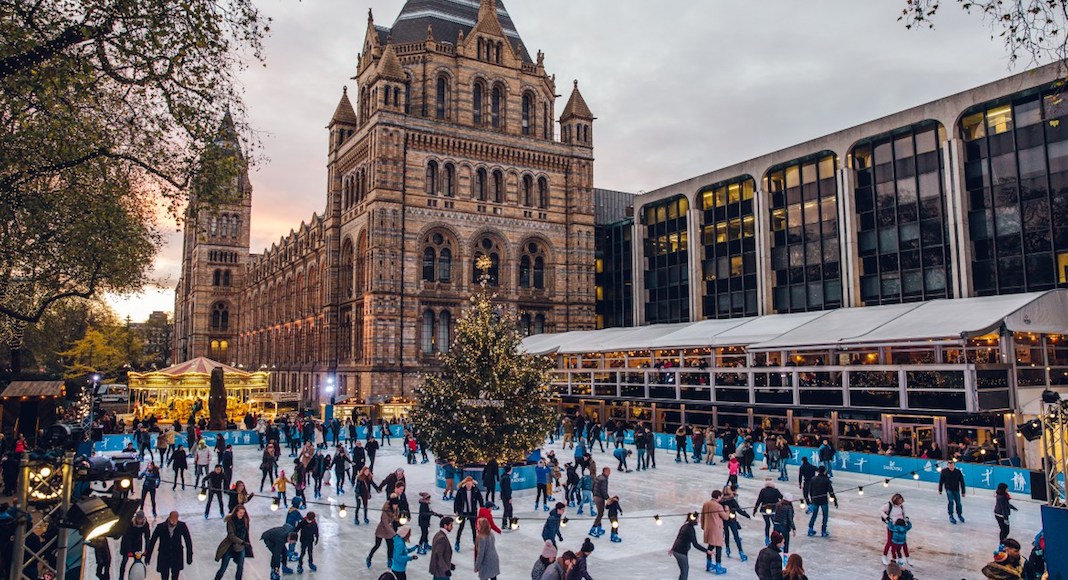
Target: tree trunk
<point x="16" y="360"/>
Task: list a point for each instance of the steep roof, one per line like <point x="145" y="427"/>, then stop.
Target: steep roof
<point x="576" y="106"/>
<point x="344" y="113"/>
<point x="448" y="18"/>
<point x="389" y="67"/>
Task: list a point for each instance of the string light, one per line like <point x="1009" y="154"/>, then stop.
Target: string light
<point x="657" y="519"/>
<point x="515" y="523"/>
<point x="341" y="511"/>
<point x="403" y="519"/>
<point x="274" y="505"/>
<point x="860" y="490"/>
<point x="615" y="524"/>
<point x="563" y="523"/>
<point x="203" y="495"/>
<point x="886" y="482"/>
<point x="915" y="475"/>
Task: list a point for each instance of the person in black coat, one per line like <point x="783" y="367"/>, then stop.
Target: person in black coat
<point x="133" y="540"/>
<point x="506" y="497"/>
<point x="822" y="493"/>
<point x="490" y="474"/>
<point x="468" y="501"/>
<point x="372" y="449"/>
<point x="178" y="461"/>
<point x="226" y="459"/>
<point x="173" y="538"/>
<point x="805" y="473"/>
<point x="686" y="537"/>
<point x="769" y="560"/>
<point x="276" y="540"/>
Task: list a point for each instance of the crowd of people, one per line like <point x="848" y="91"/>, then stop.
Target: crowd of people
<point x="317" y="457"/>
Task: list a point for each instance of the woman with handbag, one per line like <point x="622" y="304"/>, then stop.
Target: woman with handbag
<point x="235" y="546"/>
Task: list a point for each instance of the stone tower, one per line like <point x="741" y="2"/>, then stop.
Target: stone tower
<point x="215" y="250"/>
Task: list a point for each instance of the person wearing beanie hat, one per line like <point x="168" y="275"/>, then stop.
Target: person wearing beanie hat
<point x="1008" y="564"/>
<point x="544" y="561"/>
<point x="550" y="532"/>
<point x="579" y="570"/>
<point x="399" y="564"/>
<point x="769" y="560"/>
<point x="423" y="546"/>
<point x="441" y="565"/>
<point x="134" y="539"/>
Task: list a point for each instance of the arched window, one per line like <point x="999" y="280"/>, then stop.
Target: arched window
<point x="487" y="247"/>
<point x="476" y="101"/>
<point x="442" y="98"/>
<point x="444" y="331"/>
<point x="234" y="221"/>
<point x="524" y="272"/>
<point x="432" y="178"/>
<point x="427" y="335"/>
<point x="407" y="95"/>
<point x="360" y="268"/>
<point x="495" y="107"/>
<point x="498" y="186"/>
<point x="480" y="185"/>
<point x="481" y="48"/>
<point x="539" y="324"/>
<point x="216" y="278"/>
<point x="429" y="261"/>
<point x="497" y="54"/>
<point x="220" y="316"/>
<point x="346" y="267"/>
<point x="528" y="106"/>
<point x="226" y="278"/>
<point x="437" y="258"/>
<point x="543" y="193"/>
<point x="445" y="265"/>
<point x="213" y="225"/>
<point x="524" y="324"/>
<point x="396" y="96"/>
<point x="546" y="127"/>
<point x="539" y="273"/>
<point x="387" y="96"/>
<point x="449" y="182"/>
<point x="528" y="191"/>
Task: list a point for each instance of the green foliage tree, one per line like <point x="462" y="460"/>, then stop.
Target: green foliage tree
<point x="94" y="352"/>
<point x="107" y="108"/>
<point x="489" y="400"/>
<point x="1035" y="30"/>
<point x="62" y="324"/>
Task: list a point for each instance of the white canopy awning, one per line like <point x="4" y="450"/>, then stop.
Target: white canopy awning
<point x="944" y="319"/>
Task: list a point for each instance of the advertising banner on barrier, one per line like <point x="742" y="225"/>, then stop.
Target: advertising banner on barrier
<point x="112" y="443"/>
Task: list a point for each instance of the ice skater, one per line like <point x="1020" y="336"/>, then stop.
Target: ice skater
<point x="713" y="517"/>
<point x="951" y="480"/>
<point x="893" y="510"/>
<point x="899" y="545"/>
<point x="614" y="509"/>
<point x="733" y="468"/>
<point x="621" y="455"/>
<point x="766" y="502"/>
<point x="1002" y="509"/>
<point x="308" y="533"/>
<point x="733" y="526"/>
<point x="822" y="492"/>
<point x="783" y="520"/>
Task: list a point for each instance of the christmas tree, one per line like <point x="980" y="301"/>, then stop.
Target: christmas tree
<point x="489" y="400"/>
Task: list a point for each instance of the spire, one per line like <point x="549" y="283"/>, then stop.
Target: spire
<point x="577" y="107"/>
<point x="488" y="23"/>
<point x="344" y="113"/>
<point x="389" y="67"/>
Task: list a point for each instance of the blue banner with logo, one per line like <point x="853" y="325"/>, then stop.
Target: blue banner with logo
<point x="113" y="443"/>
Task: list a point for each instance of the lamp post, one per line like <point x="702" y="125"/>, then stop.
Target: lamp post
<point x="329" y="415"/>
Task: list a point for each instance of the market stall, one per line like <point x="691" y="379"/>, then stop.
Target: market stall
<point x="181" y="391"/>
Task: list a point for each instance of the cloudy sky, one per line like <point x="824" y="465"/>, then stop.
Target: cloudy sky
<point x="679" y="87"/>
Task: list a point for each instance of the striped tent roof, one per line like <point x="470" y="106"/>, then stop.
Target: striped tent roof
<point x="199" y="365"/>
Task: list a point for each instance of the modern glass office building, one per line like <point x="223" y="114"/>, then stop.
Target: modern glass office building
<point x="810" y="251"/>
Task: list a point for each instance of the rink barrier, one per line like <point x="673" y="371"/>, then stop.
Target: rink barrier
<point x="234" y="437"/>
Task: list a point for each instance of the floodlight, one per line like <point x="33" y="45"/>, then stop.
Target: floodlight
<point x="92" y="517"/>
<point x="1030" y="430"/>
<point x="1050" y="397"/>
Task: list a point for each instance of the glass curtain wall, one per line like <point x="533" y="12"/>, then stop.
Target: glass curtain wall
<point x="614" y="275"/>
<point x="902" y="236"/>
<point x="667" y="275"/>
<point x="1016" y="176"/>
<point x="805" y="254"/>
<point x="728" y="238"/>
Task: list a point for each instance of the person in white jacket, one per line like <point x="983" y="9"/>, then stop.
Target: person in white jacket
<point x="202" y="457"/>
<point x="893" y="510"/>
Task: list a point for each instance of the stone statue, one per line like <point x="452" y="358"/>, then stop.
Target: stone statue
<point x="217" y="401"/>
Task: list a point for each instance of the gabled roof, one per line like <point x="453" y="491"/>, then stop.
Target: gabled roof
<point x="344" y="113"/>
<point x="389" y="66"/>
<point x="576" y="107"/>
<point x="33" y="389"/>
<point x="448" y="18"/>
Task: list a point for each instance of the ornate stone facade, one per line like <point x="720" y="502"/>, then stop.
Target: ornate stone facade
<point x="450" y="154"/>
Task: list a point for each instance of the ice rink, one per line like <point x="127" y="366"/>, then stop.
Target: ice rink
<point x="940" y="551"/>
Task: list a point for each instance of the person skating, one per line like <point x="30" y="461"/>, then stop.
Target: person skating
<point x="951" y="480"/>
<point x="425" y="514"/>
<point x="822" y="493"/>
<point x="899" y="546"/>
<point x="466" y="505"/>
<point x="541" y="481"/>
<point x="600" y="496"/>
<point x="769" y="560"/>
<point x="490" y="475"/>
<point x="680" y="445"/>
<point x="1008" y="564"/>
<point x="614" y="509"/>
<point x="1002" y="509"/>
<point x="826" y="454"/>
<point x="580" y="569"/>
<point x="237" y="495"/>
<point x="571" y="489"/>
<point x="506" y="496"/>
<point x="783" y="520"/>
<point x="734" y="467"/>
<point x="276" y="540"/>
<point x="149" y="487"/>
<point x="894" y="572"/>
<point x="448" y="471"/>
<point x="236" y="545"/>
<point x="385" y="531"/>
<point x="785" y="454"/>
<point x="680" y="549"/>
<point x="545" y="560"/>
<point x="401" y="553"/>
<point x="650" y="449"/>
<point x="550" y="531"/>
<point x="441" y="566"/>
<point x="362" y="488"/>
<point x="733" y="526"/>
<point x="766" y="502"/>
<point x="214" y="484"/>
<point x="893" y="510"/>
<point x="621" y="454"/>
<point x="372" y="449"/>
<point x="172" y="536"/>
<point x="487" y="562"/>
<point x="308" y="534"/>
<point x="713" y="516"/>
<point x="267" y="465"/>
<point x="179" y="462"/>
<point x="805" y="472"/>
<point x="134" y="539"/>
<point x="340" y="463"/>
<point x="698" y="440"/>
<point x="202" y="456"/>
<point x="293" y="517"/>
<point x="102" y="555"/>
<point x="794" y="569"/>
<point x="639" y="446"/>
<point x="585" y="493"/>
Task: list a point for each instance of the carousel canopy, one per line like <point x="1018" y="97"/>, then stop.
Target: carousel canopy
<point x="200" y="365"/>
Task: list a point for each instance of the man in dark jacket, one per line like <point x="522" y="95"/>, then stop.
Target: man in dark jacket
<point x="214" y="485"/>
<point x="769" y="560"/>
<point x="391" y="481"/>
<point x="550" y="532"/>
<point x="822" y="492"/>
<point x="600" y="495"/>
<point x="133" y="540"/>
<point x="226" y="459"/>
<point x="173" y="537"/>
<point x="468" y="501"/>
<point x="441" y="565"/>
<point x="765" y="504"/>
<point x="578" y="570"/>
<point x="650" y="448"/>
<point x="490" y="473"/>
<point x="506" y="497"/>
<point x="276" y="540"/>
<point x="805" y="473"/>
<point x="372" y="449"/>
<point x="952" y="481"/>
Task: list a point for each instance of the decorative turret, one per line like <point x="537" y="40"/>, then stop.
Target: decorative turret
<point x="576" y="122"/>
<point x="343" y="123"/>
<point x="388" y="82"/>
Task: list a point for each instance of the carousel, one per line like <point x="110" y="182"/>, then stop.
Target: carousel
<point x="181" y="391"/>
